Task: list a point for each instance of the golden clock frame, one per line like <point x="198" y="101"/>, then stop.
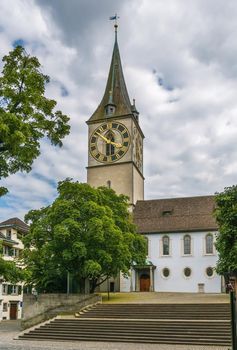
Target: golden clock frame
<point x="106" y="126"/>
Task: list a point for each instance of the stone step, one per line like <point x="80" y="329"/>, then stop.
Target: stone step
<point x="131" y="339"/>
<point x="149" y="332"/>
<point x="142" y="324"/>
<point x="146" y="305"/>
<point x="174" y="311"/>
<point x="157" y="316"/>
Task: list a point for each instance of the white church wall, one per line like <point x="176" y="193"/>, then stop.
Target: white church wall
<point x="125" y="283"/>
<point x="176" y="262"/>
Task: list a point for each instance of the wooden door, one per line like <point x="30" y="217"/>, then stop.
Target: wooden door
<point x="13" y="311"/>
<point x="144" y="283"/>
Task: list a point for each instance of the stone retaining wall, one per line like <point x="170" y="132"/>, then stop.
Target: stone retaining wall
<point x="37" y="309"/>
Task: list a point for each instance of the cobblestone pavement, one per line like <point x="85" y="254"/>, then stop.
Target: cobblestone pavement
<point x="10" y="329"/>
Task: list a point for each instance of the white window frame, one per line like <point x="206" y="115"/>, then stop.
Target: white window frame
<point x="205" y="244"/>
<point x="191" y="245"/>
<point x="4" y="307"/>
<point x="4" y="289"/>
<point x="5" y="250"/>
<point x="161" y="246"/>
<point x="14" y="289"/>
<point x="15" y="252"/>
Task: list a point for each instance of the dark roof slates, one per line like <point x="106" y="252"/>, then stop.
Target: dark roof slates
<point x="15" y="222"/>
<point x="117" y="86"/>
<point x="187" y="214"/>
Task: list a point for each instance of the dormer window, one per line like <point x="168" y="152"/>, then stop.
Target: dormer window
<point x="134" y="110"/>
<point x="109" y="109"/>
<point x="166" y="212"/>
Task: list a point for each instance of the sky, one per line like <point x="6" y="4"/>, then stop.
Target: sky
<point x="180" y="64"/>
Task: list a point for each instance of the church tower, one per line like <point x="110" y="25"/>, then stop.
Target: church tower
<point x="115" y="144"/>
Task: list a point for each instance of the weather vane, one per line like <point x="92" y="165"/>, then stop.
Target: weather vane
<point x="115" y="18"/>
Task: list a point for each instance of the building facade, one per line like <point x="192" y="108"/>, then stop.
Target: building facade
<point x="11" y="295"/>
<point x="180" y="232"/>
<point x="181" y="235"/>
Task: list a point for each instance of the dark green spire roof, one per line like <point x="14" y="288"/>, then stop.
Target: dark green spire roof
<point x="116" y="94"/>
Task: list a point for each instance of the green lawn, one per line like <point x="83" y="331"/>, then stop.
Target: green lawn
<point x="164" y="298"/>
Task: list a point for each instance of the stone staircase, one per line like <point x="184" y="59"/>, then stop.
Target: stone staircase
<point x="197" y="324"/>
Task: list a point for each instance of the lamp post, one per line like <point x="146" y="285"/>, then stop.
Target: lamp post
<point x="233" y="319"/>
<point x="68" y="283"/>
<point x="232" y="291"/>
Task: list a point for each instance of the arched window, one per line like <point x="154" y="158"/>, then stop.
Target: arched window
<point x="165" y="245"/>
<point x="209" y="243"/>
<point x="187" y="245"/>
<point x="109" y="147"/>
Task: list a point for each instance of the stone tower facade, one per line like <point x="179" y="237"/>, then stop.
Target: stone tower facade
<point x="115" y="143"/>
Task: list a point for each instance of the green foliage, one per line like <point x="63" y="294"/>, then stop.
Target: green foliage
<point x="87" y="232"/>
<point x="9" y="270"/>
<point x="3" y="191"/>
<point x="26" y="115"/>
<point x="226" y="216"/>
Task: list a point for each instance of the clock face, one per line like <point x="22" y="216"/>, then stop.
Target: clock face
<point x="137" y="149"/>
<point x="109" y="142"/>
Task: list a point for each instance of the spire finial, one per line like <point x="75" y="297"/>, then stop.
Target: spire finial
<point x="115" y="18"/>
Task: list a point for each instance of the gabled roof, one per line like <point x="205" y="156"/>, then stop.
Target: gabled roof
<point x="116" y="91"/>
<point x="175" y="215"/>
<point x="21" y="225"/>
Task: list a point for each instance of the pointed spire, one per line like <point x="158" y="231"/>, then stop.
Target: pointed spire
<point x="115" y="101"/>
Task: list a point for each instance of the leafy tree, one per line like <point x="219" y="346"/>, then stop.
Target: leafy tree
<point x="9" y="270"/>
<point x="87" y="232"/>
<point x="26" y="115"/>
<point x="226" y="216"/>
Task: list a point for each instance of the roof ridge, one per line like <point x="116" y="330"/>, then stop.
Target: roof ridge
<point x="171" y="198"/>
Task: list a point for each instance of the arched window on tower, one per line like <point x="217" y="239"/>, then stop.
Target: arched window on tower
<point x="187" y="245"/>
<point x="110" y="150"/>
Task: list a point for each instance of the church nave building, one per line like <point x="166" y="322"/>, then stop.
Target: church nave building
<point x="180" y="232"/>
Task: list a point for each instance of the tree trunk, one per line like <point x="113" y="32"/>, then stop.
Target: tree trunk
<point x="93" y="285"/>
